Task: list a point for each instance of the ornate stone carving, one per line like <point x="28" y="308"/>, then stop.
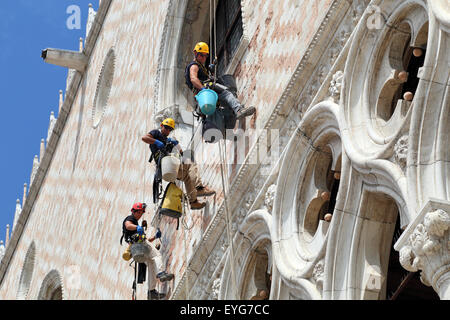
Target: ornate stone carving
<point x="91" y="17"/>
<point x="34" y="169"/>
<point x="215" y="289"/>
<point x="318" y="273"/>
<point x="169" y="112"/>
<point x="2" y="250"/>
<point x="270" y="196"/>
<point x="51" y="126"/>
<point x="427" y="246"/>
<point x="437" y="222"/>
<point x="336" y="85"/>
<point x="401" y="151"/>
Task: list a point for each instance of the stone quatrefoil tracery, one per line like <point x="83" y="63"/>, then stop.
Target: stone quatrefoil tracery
<point x="404" y="61"/>
<point x="326" y="181"/>
<point x="382" y="79"/>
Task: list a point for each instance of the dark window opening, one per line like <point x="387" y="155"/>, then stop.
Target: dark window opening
<point x="229" y="31"/>
<point x="333" y="179"/>
<point x="413" y="60"/>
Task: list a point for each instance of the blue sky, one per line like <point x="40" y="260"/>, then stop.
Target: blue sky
<point x="29" y="88"/>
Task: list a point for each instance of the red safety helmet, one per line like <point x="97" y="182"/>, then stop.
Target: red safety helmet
<point x="138" y="206"/>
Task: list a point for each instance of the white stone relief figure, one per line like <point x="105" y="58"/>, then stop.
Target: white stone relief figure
<point x="427" y="249"/>
<point x="437" y="222"/>
<point x="2" y="250"/>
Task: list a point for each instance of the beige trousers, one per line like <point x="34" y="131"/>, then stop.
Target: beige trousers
<point x="154" y="266"/>
<point x="188" y="173"/>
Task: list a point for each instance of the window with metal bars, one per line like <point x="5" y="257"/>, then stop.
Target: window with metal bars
<point x="228" y="31"/>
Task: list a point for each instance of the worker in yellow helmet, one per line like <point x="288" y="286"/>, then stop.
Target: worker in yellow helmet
<point x="158" y="139"/>
<point x="198" y="77"/>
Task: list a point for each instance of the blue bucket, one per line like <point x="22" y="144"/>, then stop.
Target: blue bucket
<point x="207" y="100"/>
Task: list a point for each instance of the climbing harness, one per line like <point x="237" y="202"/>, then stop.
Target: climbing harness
<point x="157" y="179"/>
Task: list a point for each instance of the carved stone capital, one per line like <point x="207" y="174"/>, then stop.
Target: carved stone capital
<point x="169" y="112"/>
<point x="425" y="245"/>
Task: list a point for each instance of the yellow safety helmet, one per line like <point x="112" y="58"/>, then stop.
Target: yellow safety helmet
<point x="202" y="47"/>
<point x="169" y="122"/>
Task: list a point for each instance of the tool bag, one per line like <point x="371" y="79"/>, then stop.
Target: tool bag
<point x="139" y="252"/>
<point x="214" y="126"/>
<point x="171" y="204"/>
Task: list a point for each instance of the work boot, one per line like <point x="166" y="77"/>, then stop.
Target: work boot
<point x="197" y="205"/>
<point x="204" y="191"/>
<point x="245" y="112"/>
<point x="155" y="295"/>
<point x="164" y="276"/>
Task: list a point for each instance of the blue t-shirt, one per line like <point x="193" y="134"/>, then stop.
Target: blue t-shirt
<point x="156" y="134"/>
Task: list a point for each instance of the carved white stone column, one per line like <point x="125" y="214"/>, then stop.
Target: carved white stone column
<point x="2" y="250"/>
<point x="91" y="17"/>
<point x="24" y="197"/>
<point x="424" y="246"/>
<point x="17" y="213"/>
<point x="35" y="168"/>
<point x="41" y="150"/>
<point x="7" y="235"/>
<point x="61" y="101"/>
<point x="51" y="124"/>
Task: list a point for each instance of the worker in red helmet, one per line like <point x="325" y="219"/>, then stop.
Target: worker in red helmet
<point x="131" y="228"/>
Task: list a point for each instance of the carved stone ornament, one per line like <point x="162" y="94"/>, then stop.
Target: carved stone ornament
<point x="2" y="250"/>
<point x="336" y="85"/>
<point x="426" y="248"/>
<point x="401" y="151"/>
<point x="215" y="289"/>
<point x="169" y="112"/>
<point x="318" y="274"/>
<point x="270" y="196"/>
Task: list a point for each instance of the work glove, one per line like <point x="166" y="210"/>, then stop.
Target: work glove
<point x="159" y="144"/>
<point x="140" y="230"/>
<point x="172" y="141"/>
<point x="158" y="234"/>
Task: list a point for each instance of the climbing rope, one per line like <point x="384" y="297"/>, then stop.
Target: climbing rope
<point x="223" y="157"/>
<point x="227" y="215"/>
<point x="186" y="228"/>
